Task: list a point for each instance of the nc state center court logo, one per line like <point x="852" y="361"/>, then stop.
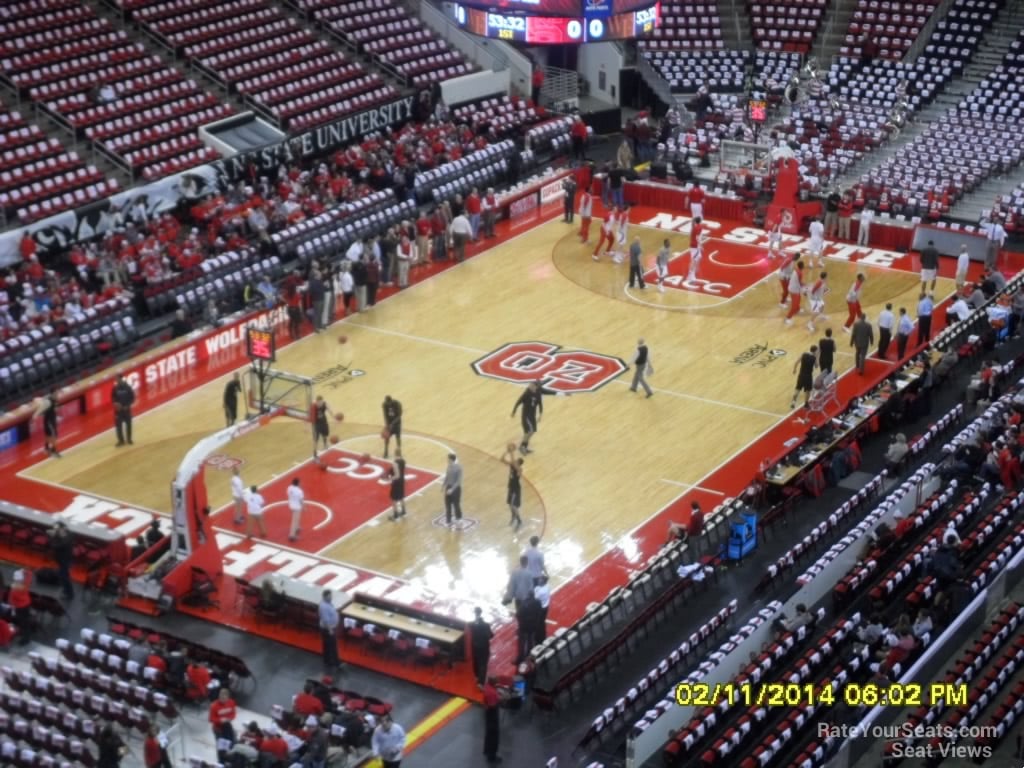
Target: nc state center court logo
<point x="560" y="371"/>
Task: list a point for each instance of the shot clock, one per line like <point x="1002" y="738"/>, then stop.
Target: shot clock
<point x="260" y="344"/>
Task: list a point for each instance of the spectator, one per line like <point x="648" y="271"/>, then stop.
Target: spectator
<point x="154" y="751"/>
<point x="871" y="633"/>
<point x="359" y="279"/>
<point x="20" y="599"/>
<point x="306" y="703"/>
<point x="110" y="748"/>
<point x="181" y="325"/>
<point x="222" y="716"/>
<point x="922" y="625"/>
<point x="958" y="311"/>
<point x="389" y="742"/>
<point x="897" y="451"/>
<point x="153" y="533"/>
<point x="198" y="680"/>
<point x="802" y="618"/>
<point x="945" y="566"/>
<point x="273" y="747"/>
<point x="461" y="231"/>
<point x="315" y="755"/>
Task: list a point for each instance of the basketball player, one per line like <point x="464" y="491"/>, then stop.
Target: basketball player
<point x="817" y="296"/>
<point x="621" y="234"/>
<point x="296" y="503"/>
<point x="231" y="392"/>
<point x="775" y="241"/>
<point x="238" y="495"/>
<point x="321" y="428"/>
<point x="817" y="245"/>
<point x="392" y="423"/>
<point x="585" y="211"/>
<point x="514" y="496"/>
<point x="661" y="265"/>
<point x="796" y="291"/>
<point x="607" y="234"/>
<point x="826" y="352"/>
<point x="785" y="272"/>
<point x="853" y="301"/>
<point x="533" y="406"/>
<point x="48" y="410"/>
<point x="254" y="506"/>
<point x="697" y="201"/>
<point x="397" y="485"/>
<point x="805" y="378"/>
<point x="697" y="239"/>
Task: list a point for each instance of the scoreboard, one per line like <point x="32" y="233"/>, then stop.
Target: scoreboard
<point x="529" y="23"/>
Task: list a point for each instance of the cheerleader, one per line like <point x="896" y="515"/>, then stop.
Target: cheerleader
<point x="817" y="296"/>
<point x="607" y="234"/>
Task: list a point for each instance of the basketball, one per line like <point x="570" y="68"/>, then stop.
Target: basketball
<point x="334" y="439"/>
<point x="339" y="417"/>
<point x="343" y="339"/>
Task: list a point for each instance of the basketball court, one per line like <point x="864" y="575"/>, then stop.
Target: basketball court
<point x="609" y="469"/>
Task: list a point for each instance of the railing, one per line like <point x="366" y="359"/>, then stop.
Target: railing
<point x="561" y="87"/>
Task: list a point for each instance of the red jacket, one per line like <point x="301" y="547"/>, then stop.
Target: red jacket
<point x="222" y="711"/>
<point x="473" y="204"/>
<point x="307" y="704"/>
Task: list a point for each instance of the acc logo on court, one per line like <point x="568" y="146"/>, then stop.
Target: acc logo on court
<point x="558" y="370"/>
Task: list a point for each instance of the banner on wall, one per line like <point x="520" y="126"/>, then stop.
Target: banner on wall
<point x="318" y="141"/>
<point x="58" y="232"/>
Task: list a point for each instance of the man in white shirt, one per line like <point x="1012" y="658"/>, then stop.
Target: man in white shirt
<point x="886" y="321"/>
<point x="355" y="251"/>
<point x="489" y="205"/>
<point x="296" y="502"/>
<point x="254" y="507"/>
<point x="960" y="310"/>
<point x="996" y="237"/>
<point x="963" y="262"/>
<point x="388" y="742"/>
<point x="461" y="231"/>
<point x="867" y="215"/>
<point x="238" y="495"/>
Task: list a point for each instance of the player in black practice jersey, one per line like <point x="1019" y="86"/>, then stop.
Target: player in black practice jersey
<point x="397" y="473"/>
<point x="514" y="497"/>
<point x="321" y="429"/>
<point x="392" y="424"/>
<point x="533" y="406"/>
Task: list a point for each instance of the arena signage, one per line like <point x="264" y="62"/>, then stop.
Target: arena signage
<point x="551" y="192"/>
<point x="320" y="140"/>
<point x="523" y="206"/>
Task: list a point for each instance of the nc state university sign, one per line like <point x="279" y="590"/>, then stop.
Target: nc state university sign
<point x="561" y="371"/>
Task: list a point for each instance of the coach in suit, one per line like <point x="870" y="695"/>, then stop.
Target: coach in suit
<point x="862" y="336"/>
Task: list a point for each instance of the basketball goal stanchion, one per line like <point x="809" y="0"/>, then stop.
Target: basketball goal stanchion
<point x="194" y="551"/>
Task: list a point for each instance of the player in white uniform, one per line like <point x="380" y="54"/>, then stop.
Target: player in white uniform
<point x="818" y="291"/>
<point x="621" y="235"/>
<point x="661" y="265"/>
<point x="817" y="246"/>
<point x="607" y="234"/>
<point x="697" y="254"/>
<point x="775" y="241"/>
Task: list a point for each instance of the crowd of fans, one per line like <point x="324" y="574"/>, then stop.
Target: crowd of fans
<point x="144" y="249"/>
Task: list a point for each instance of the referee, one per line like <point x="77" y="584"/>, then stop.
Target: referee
<point x="533" y="407"/>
